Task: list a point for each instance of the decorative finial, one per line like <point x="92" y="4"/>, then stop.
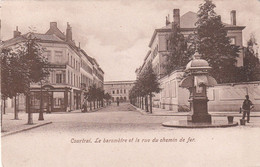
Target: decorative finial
<point x="196" y="55"/>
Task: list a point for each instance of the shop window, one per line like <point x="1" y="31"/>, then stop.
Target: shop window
<point x="58" y="99"/>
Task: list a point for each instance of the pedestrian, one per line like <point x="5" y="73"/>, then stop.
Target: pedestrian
<point x="84" y="107"/>
<point x="246" y="107"/>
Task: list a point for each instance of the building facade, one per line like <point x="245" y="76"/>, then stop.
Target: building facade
<point x="159" y="41"/>
<point x="72" y="71"/>
<point x="119" y="90"/>
<point x="172" y="97"/>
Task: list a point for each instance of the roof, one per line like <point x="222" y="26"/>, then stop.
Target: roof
<point x="57" y="32"/>
<point x="87" y="56"/>
<point x="119" y="82"/>
<point x="42" y="37"/>
<point x="46" y="37"/>
<point x="91" y="60"/>
<point x="148" y="53"/>
<point x="187" y="23"/>
<point x="100" y="70"/>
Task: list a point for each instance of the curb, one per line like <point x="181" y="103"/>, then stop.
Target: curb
<point x="142" y="111"/>
<point x="26" y="129"/>
<point x="212" y="114"/>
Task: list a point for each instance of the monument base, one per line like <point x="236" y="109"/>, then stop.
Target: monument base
<point x="199" y="118"/>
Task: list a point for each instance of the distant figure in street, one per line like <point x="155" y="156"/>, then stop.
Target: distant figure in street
<point x="117" y="102"/>
<point x="246" y="107"/>
<point x="84" y="107"/>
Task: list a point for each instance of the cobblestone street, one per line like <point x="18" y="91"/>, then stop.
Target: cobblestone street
<point x="109" y="136"/>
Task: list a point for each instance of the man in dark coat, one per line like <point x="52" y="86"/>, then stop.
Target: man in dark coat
<point x="247" y="106"/>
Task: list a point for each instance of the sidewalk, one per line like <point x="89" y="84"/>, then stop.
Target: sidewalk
<point x="11" y="126"/>
<point x="164" y="112"/>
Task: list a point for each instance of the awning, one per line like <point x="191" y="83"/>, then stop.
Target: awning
<point x="187" y="82"/>
<point x="198" y="80"/>
<point x="211" y="81"/>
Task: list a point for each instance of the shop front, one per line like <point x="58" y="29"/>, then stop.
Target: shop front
<point x="53" y="99"/>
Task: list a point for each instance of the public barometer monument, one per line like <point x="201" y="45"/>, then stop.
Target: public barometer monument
<point x="197" y="81"/>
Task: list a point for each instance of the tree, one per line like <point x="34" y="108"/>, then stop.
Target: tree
<point x="91" y="95"/>
<point x="251" y="62"/>
<point x="214" y="45"/>
<point x="5" y="67"/>
<point x="178" y="55"/>
<point x="5" y="77"/>
<point x="107" y="97"/>
<point x="12" y="76"/>
<point x="34" y="66"/>
<point x="100" y="96"/>
<point x="150" y="83"/>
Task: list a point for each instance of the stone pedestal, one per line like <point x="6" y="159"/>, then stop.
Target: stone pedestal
<point x="199" y="110"/>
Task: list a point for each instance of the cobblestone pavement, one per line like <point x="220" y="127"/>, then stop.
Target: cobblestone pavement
<point x="122" y="136"/>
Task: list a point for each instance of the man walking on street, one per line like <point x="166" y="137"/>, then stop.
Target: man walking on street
<point x="247" y="106"/>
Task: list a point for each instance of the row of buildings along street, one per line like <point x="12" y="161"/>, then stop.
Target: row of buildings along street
<point x="72" y="71"/>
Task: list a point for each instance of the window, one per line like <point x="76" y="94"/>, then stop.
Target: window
<point x="71" y="81"/>
<point x="113" y="92"/>
<point x="48" y="55"/>
<point x="117" y="91"/>
<point x="121" y="91"/>
<point x="68" y="77"/>
<point x="58" y="78"/>
<point x="74" y="80"/>
<point x="58" y="56"/>
<point x="167" y="44"/>
<point x="124" y="91"/>
<point x="232" y="40"/>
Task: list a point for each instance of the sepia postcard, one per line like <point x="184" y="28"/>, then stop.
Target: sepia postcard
<point x="149" y="83"/>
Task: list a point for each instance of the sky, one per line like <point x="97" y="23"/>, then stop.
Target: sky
<point x="116" y="33"/>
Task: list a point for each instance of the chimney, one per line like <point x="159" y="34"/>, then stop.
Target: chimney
<point x="176" y="17"/>
<point x="16" y="32"/>
<point x="53" y="25"/>
<point x="68" y="33"/>
<point x="233" y="17"/>
<point x="167" y="20"/>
